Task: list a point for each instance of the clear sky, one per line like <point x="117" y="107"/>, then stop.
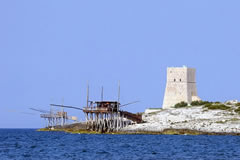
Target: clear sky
<point x="49" y="49"/>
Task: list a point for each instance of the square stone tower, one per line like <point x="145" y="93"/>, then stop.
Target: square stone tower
<point x="181" y="86"/>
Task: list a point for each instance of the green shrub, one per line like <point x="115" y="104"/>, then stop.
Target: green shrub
<point x="199" y="103"/>
<point x="238" y="104"/>
<point x="217" y="106"/>
<point x="181" y="104"/>
<point x="237" y="110"/>
<point x="207" y="105"/>
<point x="229" y="103"/>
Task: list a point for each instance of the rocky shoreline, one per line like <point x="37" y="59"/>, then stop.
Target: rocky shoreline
<point x="190" y="120"/>
<point x="196" y="118"/>
<point x="164" y="132"/>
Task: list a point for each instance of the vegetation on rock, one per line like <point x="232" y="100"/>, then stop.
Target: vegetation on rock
<point x="237" y="110"/>
<point x="199" y="103"/>
<point x="208" y="105"/>
<point x="181" y="104"/>
<point x="216" y="106"/>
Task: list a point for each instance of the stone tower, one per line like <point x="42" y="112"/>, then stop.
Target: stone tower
<point x="181" y="86"/>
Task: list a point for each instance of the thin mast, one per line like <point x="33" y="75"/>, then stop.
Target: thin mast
<point x="87" y="94"/>
<point x="118" y="96"/>
<point x="118" y="105"/>
<point x="62" y="111"/>
<point x="102" y="94"/>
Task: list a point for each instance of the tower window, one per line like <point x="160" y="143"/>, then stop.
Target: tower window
<point x="174" y="80"/>
<point x="180" y="80"/>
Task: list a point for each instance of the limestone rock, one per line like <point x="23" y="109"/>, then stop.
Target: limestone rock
<point x="192" y="118"/>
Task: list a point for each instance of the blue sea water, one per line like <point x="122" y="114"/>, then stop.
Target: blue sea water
<point x="30" y="145"/>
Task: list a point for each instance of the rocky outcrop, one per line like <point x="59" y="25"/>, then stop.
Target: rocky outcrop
<point x="198" y="118"/>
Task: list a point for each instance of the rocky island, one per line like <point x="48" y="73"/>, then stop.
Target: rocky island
<point x="212" y="118"/>
<point x="183" y="112"/>
<point x="205" y="117"/>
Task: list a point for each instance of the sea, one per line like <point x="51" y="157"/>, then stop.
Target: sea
<point x="29" y="144"/>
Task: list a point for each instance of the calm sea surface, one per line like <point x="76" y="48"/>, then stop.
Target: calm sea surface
<point x="29" y="144"/>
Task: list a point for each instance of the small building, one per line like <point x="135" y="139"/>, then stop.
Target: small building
<point x="107" y="116"/>
<point x="180" y="86"/>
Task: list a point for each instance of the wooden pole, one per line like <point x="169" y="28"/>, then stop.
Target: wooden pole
<point x="87" y="94"/>
<point x="102" y="94"/>
<point x="118" y="104"/>
<point x="62" y="112"/>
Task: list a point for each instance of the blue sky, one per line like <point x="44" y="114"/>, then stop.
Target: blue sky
<point x="50" y="49"/>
